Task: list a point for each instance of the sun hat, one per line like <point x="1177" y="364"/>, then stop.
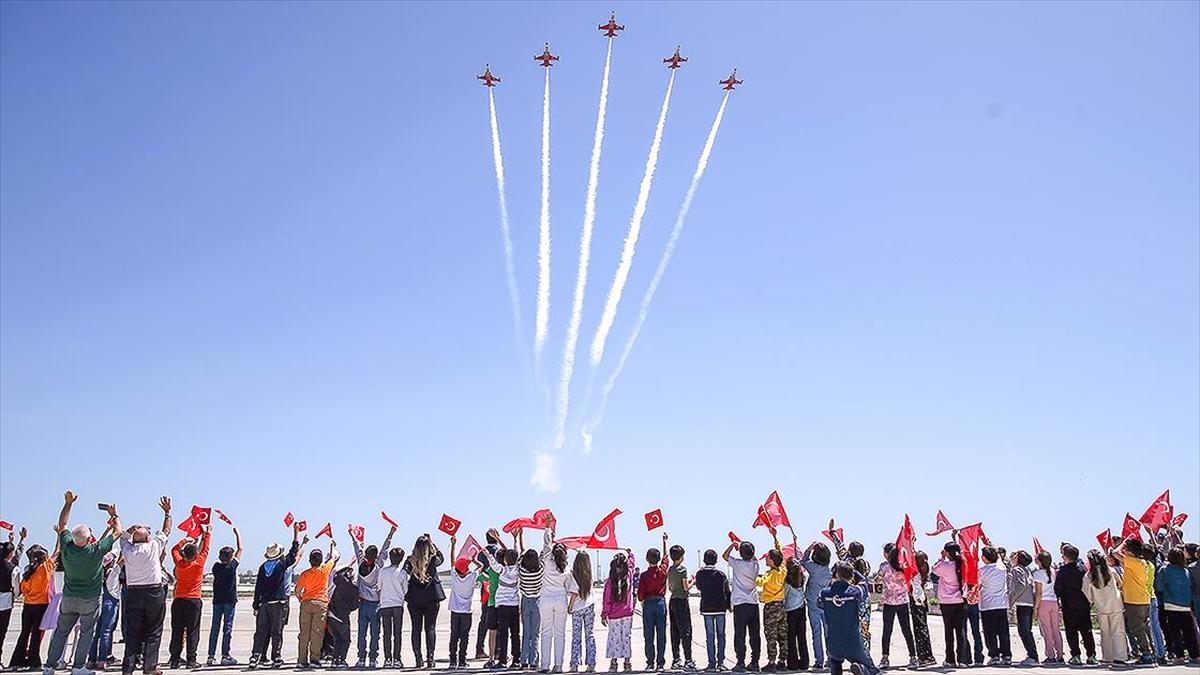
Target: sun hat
<point x="274" y="551"/>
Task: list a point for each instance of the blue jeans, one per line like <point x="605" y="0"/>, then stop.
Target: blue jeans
<point x="976" y="636"/>
<point x="368" y="618"/>
<point x="714" y="639"/>
<point x="222" y="617"/>
<point x="654" y="629"/>
<point x="102" y="643"/>
<point x="816" y="622"/>
<point x="531" y="622"/>
<point x="1160" y="646"/>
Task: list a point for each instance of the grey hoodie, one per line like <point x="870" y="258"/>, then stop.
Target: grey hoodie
<point x="368" y="584"/>
<point x="1020" y="586"/>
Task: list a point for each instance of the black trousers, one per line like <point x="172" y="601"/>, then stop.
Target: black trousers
<point x="746" y="620"/>
<point x="392" y="620"/>
<point x="340" y="628"/>
<point x="185" y="622"/>
<point x="460" y="630"/>
<point x="995" y="633"/>
<point x="145" y="607"/>
<point x="424" y="624"/>
<point x="797" y="639"/>
<point x="680" y="616"/>
<point x="954" y="625"/>
<point x="890" y="614"/>
<point x="28" y="652"/>
<point x="1025" y="630"/>
<point x="485" y="616"/>
<point x="1180" y="633"/>
<point x="5" y="618"/>
<point x="1077" y="622"/>
<point x="268" y="630"/>
<point x="508" y="628"/>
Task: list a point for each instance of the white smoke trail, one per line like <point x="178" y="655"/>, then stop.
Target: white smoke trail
<point x="585" y="253"/>
<point x="631" y="239"/>
<point x="590" y="428"/>
<point x="506" y="234"/>
<point x="543" y="283"/>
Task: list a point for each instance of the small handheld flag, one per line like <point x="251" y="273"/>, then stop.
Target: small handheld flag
<point x="449" y="525"/>
<point x="654" y="519"/>
<point x="203" y="515"/>
<point x="326" y="531"/>
<point x="301" y="525"/>
<point x="288" y="519"/>
<point x="942" y="525"/>
<point x="359" y="533"/>
<point x="5" y="525"/>
<point x="224" y="518"/>
<point x="388" y="520"/>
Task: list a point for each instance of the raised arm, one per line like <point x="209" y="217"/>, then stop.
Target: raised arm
<point x="842" y="553"/>
<point x="664" y="558"/>
<point x="358" y="552"/>
<point x="65" y="514"/>
<point x="453" y="546"/>
<point x="333" y="550"/>
<point x="237" y="538"/>
<point x="165" y="505"/>
<point x="387" y="546"/>
<point x="728" y="550"/>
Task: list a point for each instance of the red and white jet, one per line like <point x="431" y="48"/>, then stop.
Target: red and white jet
<point x="546" y="57"/>
<point x="731" y="82"/>
<point x="675" y="59"/>
<point x="610" y="29"/>
<point x="489" y="80"/>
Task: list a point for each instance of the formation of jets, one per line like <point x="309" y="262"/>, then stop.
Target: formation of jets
<point x="610" y="30"/>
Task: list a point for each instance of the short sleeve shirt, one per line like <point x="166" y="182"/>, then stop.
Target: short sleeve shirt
<point x="83" y="568"/>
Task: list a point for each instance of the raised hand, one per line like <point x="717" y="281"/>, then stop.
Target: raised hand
<point x="70" y="497"/>
<point x="165" y="504"/>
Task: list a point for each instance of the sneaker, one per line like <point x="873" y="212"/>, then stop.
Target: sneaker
<point x="856" y="669"/>
<point x="1091" y="661"/>
<point x="950" y="664"/>
<point x="1074" y="661"/>
<point x="210" y="661"/>
<point x="193" y="665"/>
<point x="883" y="663"/>
<point x="689" y="666"/>
<point x="374" y="664"/>
<point x="994" y="661"/>
<point x="769" y="668"/>
<point x="429" y="663"/>
<point x="753" y="667"/>
<point x="612" y="667"/>
<point x="739" y="668"/>
<point x="172" y="665"/>
<point x="591" y="669"/>
<point x="82" y="671"/>
<point x="253" y="661"/>
<point x="913" y="662"/>
<point x="1027" y="663"/>
<point x="1006" y="661"/>
<point x="628" y="666"/>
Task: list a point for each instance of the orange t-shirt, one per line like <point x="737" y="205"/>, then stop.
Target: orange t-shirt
<point x="36" y="588"/>
<point x="313" y="583"/>
<point x="189" y="574"/>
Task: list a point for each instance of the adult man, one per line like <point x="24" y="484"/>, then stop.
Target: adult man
<point x="82" y="559"/>
<point x="189" y="558"/>
<point x="10" y="562"/>
<point x="271" y="600"/>
<point x="224" y="600"/>
<point x="144" y="601"/>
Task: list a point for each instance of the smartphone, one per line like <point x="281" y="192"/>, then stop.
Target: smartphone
<point x="102" y="506"/>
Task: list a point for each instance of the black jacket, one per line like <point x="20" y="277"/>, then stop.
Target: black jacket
<point x="1068" y="586"/>
<point x="714" y="590"/>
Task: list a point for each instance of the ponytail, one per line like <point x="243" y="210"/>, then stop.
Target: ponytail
<point x="1044" y="561"/>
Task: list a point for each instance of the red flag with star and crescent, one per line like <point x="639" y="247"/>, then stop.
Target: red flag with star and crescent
<point x="1179" y="520"/>
<point x="224" y="518"/>
<point x="771" y="513"/>
<point x="654" y="520"/>
<point x="202" y="515"/>
<point x="906" y="542"/>
<point x="603" y="537"/>
<point x="942" y="525"/>
<point x="1159" y="513"/>
<point x="970" y="538"/>
<point x="470" y="549"/>
<point x="1105" y="539"/>
<point x="1037" y="547"/>
<point x="449" y="525"/>
<point x="326" y="531"/>
<point x="1131" y="528"/>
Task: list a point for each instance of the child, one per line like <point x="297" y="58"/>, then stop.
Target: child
<point x="793" y="607"/>
<point x="853" y="554"/>
<point x="744" y="597"/>
<point x="895" y="604"/>
<point x="393" y="586"/>
<point x="1076" y="610"/>
<point x="530" y="583"/>
<point x="1136" y="590"/>
<point x="678" y="586"/>
<point x="312" y="590"/>
<point x="652" y="593"/>
<point x="1103" y="589"/>
<point x="369" y="564"/>
<point x="954" y="614"/>
<point x="617" y="611"/>
<point x="840" y="603"/>
<point x="918" y="606"/>
<point x="815" y="562"/>
<point x="993" y="607"/>
<point x="714" y="603"/>
<point x="343" y="604"/>
<point x="1175" y="586"/>
<point x="34" y="587"/>
<point x="582" y="608"/>
<point x="1021" y="596"/>
<point x="774" y="618"/>
<point x="224" y="601"/>
<point x="553" y="609"/>
<point x="508" y="599"/>
<point x="1045" y="607"/>
<point x="462" y="586"/>
<point x="485" y="637"/>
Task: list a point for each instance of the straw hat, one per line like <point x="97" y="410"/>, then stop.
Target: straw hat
<point x="274" y="551"/>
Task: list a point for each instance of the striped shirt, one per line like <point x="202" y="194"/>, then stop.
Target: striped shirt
<point x="531" y="582"/>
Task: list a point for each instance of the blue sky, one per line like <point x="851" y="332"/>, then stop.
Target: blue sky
<point x="945" y="256"/>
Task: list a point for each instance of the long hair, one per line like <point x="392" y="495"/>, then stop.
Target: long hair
<point x="1099" y="573"/>
<point x="418" y="562"/>
<point x="581" y="569"/>
<point x="559" y="555"/>
<point x="1045" y="562"/>
<point x="893" y="559"/>
<point x="955" y="552"/>
<point x="795" y="573"/>
<point x="530" y="561"/>
<point x="618" y="578"/>
<point x="36" y="556"/>
<point x="922" y="559"/>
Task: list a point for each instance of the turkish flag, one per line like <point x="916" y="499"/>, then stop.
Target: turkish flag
<point x="288" y="519"/>
<point x="359" y="533"/>
<point x="190" y="527"/>
<point x="1159" y="513"/>
<point x="605" y="534"/>
<point x="470" y="549"/>
<point x="541" y="519"/>
<point x="1105" y="539"/>
<point x="301" y="525"/>
<point x="1037" y="547"/>
<point x="788" y="551"/>
<point x="575" y="543"/>
<point x="224" y="518"/>
<point x="734" y="538"/>
<point x="970" y="538"/>
<point x="1178" y="522"/>
<point x="1131" y="528"/>
<point x="5" y="525"/>
<point x="906" y="542"/>
<point x="839" y="532"/>
<point x="654" y="519"/>
<point x="326" y="531"/>
<point x="517" y="523"/>
<point x="449" y="525"/>
<point x="942" y="525"/>
<point x="203" y="515"/>
<point x="387" y="520"/>
<point x="771" y="513"/>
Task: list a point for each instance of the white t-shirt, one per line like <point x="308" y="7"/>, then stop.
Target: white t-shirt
<point x="743" y="581"/>
<point x="581" y="603"/>
<point x="143" y="566"/>
<point x="1040" y="577"/>
<point x="554" y="583"/>
<point x="462" y="589"/>
<point x="393" y="586"/>
<point x="993" y="587"/>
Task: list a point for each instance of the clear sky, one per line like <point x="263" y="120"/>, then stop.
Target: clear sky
<point x="946" y="255"/>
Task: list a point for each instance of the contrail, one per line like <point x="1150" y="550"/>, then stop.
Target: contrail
<point x="505" y="232"/>
<point x="635" y="228"/>
<point x="663" y="261"/>
<point x="543" y="283"/>
<point x="585" y="252"/>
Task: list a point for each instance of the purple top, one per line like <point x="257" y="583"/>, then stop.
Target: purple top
<point x="949" y="590"/>
<point x="612" y="609"/>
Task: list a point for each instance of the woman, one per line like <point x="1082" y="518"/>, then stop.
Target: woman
<point x="582" y="608"/>
<point x="1045" y="608"/>
<point x="617" y="613"/>
<point x="1175" y="586"/>
<point x="918" y="607"/>
<point x="895" y="604"/>
<point x="948" y="571"/>
<point x="553" y="604"/>
<point x="424" y="596"/>
<point x="1103" y="589"/>
<point x="35" y="588"/>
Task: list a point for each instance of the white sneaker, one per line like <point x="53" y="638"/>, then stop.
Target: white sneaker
<point x="82" y="671"/>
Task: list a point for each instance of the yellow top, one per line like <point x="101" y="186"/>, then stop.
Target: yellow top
<point x="772" y="584"/>
<point x="1139" y="581"/>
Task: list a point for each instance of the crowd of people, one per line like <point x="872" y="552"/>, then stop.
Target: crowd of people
<point x="811" y="606"/>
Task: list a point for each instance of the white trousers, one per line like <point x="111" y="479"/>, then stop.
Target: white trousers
<point x="553" y="628"/>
